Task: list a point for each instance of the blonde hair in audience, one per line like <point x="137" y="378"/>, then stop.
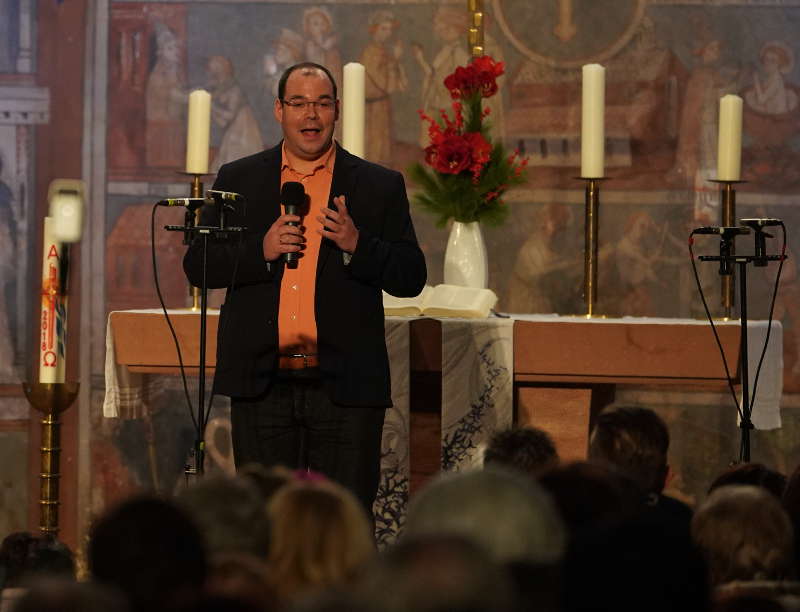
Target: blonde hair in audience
<point x="320" y="537"/>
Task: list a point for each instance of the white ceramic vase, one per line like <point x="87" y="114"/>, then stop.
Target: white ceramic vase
<point x="465" y="261"/>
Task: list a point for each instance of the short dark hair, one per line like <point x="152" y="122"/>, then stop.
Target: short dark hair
<point x="304" y="66"/>
<point x="755" y="474"/>
<point x="526" y="449"/>
<point x="149" y="549"/>
<point x="635" y="441"/>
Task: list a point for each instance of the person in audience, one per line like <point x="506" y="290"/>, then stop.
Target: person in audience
<point x="635" y="442"/>
<point x="436" y="573"/>
<point x="745" y="535"/>
<point x="320" y="537"/>
<point x="634" y="566"/>
<point x="151" y="551"/>
<point x="60" y="595"/>
<point x="791" y="503"/>
<point x="267" y="479"/>
<point x="590" y="496"/>
<point x="755" y="474"/>
<point x="26" y="559"/>
<point x="508" y="514"/>
<point x="230" y="512"/>
<point x="526" y="449"/>
<point x="241" y="577"/>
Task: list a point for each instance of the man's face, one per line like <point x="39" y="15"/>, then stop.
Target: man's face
<point x="307" y="130"/>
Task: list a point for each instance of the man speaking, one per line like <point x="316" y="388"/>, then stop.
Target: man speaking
<point x="301" y="349"/>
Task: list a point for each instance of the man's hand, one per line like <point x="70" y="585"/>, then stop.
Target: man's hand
<point x="339" y="226"/>
<point x="282" y="238"/>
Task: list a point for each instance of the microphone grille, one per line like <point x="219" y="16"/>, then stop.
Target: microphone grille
<point x="293" y="193"/>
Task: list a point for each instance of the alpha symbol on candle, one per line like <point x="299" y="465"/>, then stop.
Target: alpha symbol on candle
<point x="565" y="29"/>
<point x="53" y="252"/>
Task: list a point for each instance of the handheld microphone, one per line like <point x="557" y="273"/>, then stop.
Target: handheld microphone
<point x="230" y="196"/>
<point x="293" y="196"/>
<point x="190" y="203"/>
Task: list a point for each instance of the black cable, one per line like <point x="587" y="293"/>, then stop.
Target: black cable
<point x="166" y="316"/>
<point x="713" y="327"/>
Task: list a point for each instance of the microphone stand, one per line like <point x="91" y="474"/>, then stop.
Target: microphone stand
<point x="221" y="232"/>
<point x="726" y="259"/>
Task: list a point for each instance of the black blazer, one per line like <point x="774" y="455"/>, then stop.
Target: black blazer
<point x="348" y="304"/>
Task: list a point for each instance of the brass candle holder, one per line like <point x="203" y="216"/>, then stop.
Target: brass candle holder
<point x="727" y="191"/>
<point x="50" y="399"/>
<point x="196" y="191"/>
<point x="475" y="34"/>
<point x="590" y="250"/>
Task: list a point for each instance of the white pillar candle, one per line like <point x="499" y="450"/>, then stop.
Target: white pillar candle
<point x="593" y="121"/>
<point x="199" y="128"/>
<point x="52" y="327"/>
<point x="353" y="103"/>
<point x="729" y="151"/>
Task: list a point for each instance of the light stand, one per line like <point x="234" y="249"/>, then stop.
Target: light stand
<point x="726" y="258"/>
<point x="220" y="232"/>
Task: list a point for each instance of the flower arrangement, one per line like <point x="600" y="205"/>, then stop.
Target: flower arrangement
<point x="465" y="176"/>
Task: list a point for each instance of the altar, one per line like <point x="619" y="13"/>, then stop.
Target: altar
<point x="459" y="380"/>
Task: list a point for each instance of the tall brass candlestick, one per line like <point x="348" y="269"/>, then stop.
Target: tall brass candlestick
<point x="475" y="35"/>
<point x="51" y="399"/>
<point x="196" y="192"/>
<point x="590" y="250"/>
<point x="727" y="192"/>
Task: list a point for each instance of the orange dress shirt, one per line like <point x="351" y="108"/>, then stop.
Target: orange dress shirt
<point x="297" y="326"/>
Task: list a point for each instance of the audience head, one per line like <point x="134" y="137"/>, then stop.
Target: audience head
<point x="754" y="474"/>
<point x="320" y="537"/>
<point x="635" y="441"/>
<point x="240" y="577"/>
<point x="436" y="573"/>
<point x="508" y="514"/>
<point x="25" y="558"/>
<point x="268" y="480"/>
<point x="230" y="512"/>
<point x="151" y="551"/>
<point x="71" y="596"/>
<point x="634" y="566"/>
<point x="744" y="534"/>
<point x="526" y="449"/>
<point x="590" y="496"/>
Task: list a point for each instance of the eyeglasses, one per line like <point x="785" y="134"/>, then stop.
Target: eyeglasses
<point x="300" y="105"/>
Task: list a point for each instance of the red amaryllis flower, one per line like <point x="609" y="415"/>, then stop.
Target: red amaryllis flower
<point x="478" y="77"/>
<point x="481" y="150"/>
<point x="450" y="154"/>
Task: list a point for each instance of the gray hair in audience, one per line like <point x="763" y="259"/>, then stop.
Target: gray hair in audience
<point x="436" y="573"/>
<point x="744" y="534"/>
<point x="231" y="514"/>
<point x="507" y="513"/>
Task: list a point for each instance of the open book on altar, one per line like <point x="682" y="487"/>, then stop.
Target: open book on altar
<point x="442" y="301"/>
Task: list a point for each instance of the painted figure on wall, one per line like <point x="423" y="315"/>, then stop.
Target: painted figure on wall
<point x="770" y="94"/>
<point x="322" y="42"/>
<point x="544" y="278"/>
<point x="449" y="27"/>
<point x="384" y="76"/>
<point x="643" y="259"/>
<point x="287" y="51"/>
<point x="697" y="135"/>
<point x="165" y="102"/>
<point x="232" y="113"/>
